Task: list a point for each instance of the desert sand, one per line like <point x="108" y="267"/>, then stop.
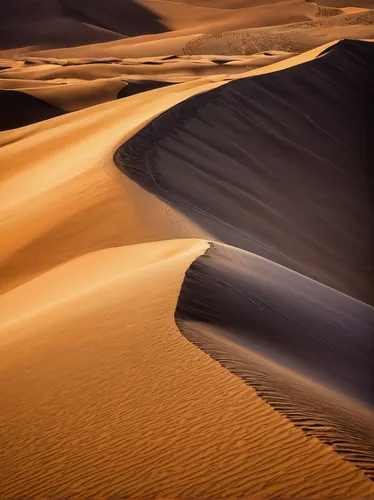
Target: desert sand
<point x="186" y="305"/>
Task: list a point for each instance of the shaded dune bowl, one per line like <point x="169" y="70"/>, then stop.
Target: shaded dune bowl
<point x="289" y="310"/>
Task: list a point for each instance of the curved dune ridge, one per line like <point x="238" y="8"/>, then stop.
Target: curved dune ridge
<point x="186" y="308"/>
<point x="304" y="347"/>
<point x="87" y="381"/>
<point x="226" y="158"/>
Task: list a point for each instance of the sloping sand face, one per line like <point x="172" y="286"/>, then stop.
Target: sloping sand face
<point x="306" y="348"/>
<point x="100" y="400"/>
<point x="266" y="168"/>
<point x="81" y="202"/>
<point x="20" y="109"/>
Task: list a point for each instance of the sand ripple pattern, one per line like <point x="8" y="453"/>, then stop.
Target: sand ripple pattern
<point x="264" y="168"/>
<point x="294" y="37"/>
<point x="102" y="402"/>
<point x="304" y="347"/>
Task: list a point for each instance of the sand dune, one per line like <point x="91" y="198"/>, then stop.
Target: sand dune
<point x="211" y="19"/>
<point x="186" y="299"/>
<point x="19" y="109"/>
<point x="293" y="38"/>
<point x="61" y="23"/>
<point x="73" y="96"/>
<point x="67" y="95"/>
<point x="81" y="202"/>
<point x="304" y="346"/>
<point x="237" y="185"/>
<point x="39" y="23"/>
<point x="115" y="372"/>
<point x="60" y="218"/>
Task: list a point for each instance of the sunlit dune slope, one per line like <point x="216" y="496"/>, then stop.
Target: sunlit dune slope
<point x="99" y="398"/>
<point x="80" y="201"/>
<point x="79" y="204"/>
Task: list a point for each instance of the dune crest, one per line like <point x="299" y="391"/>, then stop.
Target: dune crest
<point x="186" y="303"/>
<point x="115" y="371"/>
<point x="303" y="346"/>
<point x="234" y="149"/>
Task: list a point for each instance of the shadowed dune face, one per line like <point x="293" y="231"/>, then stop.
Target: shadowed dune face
<point x="306" y="348"/>
<point x="127" y="17"/>
<point x="64" y="23"/>
<point x="44" y="24"/>
<point x="266" y="168"/>
<point x="19" y="109"/>
<point x="294" y="320"/>
<point x="133" y="88"/>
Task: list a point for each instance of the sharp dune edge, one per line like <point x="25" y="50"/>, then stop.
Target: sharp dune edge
<point x="290" y="338"/>
<point x="239" y="145"/>
<point x="186" y="306"/>
<point x="91" y="324"/>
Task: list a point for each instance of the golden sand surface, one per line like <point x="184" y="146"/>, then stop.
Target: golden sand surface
<point x="101" y="394"/>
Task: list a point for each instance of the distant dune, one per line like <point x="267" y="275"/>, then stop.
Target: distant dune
<point x="136" y="87"/>
<point x="61" y="23"/>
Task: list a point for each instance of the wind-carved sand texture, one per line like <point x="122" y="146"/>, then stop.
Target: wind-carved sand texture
<point x="290" y="338"/>
<point x="186" y="300"/>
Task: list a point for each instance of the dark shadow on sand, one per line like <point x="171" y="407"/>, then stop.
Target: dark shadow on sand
<point x="136" y="87"/>
<point x="126" y="17"/>
<point x="305" y="348"/>
<point x="18" y="109"/>
<point x="277" y="164"/>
